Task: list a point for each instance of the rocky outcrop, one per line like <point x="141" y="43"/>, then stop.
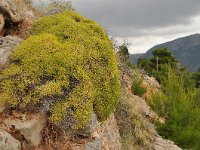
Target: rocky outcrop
<point x="152" y="86"/>
<point x="30" y="129"/>
<point x="135" y="118"/>
<point x="7" y="142"/>
<point x="162" y="144"/>
<point x="16" y="17"/>
<point x="151" y="81"/>
<point x="104" y="136"/>
<point x="10" y="11"/>
<point x="7" y="45"/>
<point x="24" y="129"/>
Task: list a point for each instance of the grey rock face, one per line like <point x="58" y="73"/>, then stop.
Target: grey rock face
<point x="90" y="128"/>
<point x="7" y="142"/>
<point x="104" y="136"/>
<point x="30" y="129"/>
<point x="7" y="44"/>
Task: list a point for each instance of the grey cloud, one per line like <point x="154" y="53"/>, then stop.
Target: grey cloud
<point x="143" y="22"/>
<point x="130" y="17"/>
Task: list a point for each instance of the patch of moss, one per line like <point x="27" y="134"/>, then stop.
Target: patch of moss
<point x="67" y="67"/>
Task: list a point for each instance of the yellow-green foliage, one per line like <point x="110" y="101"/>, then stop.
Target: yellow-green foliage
<point x="69" y="63"/>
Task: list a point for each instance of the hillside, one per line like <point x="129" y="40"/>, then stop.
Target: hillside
<point x="135" y="57"/>
<point x="185" y="49"/>
<point x="63" y="87"/>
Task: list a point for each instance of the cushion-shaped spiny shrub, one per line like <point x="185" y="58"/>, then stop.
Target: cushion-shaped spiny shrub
<point x="67" y="68"/>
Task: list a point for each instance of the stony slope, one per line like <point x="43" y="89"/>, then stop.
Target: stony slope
<point x="135" y="118"/>
<point x="131" y="126"/>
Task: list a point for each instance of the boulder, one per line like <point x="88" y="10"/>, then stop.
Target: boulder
<point x="29" y="127"/>
<point x="7" y="44"/>
<point x="7" y="142"/>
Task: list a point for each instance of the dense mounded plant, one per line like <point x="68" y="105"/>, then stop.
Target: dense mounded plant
<point x="66" y="68"/>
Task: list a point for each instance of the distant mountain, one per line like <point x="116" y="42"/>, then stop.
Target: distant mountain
<point x="135" y="57"/>
<point x="185" y="49"/>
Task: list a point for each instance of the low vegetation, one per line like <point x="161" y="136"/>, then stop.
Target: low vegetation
<point x="137" y="88"/>
<point x="66" y="68"/>
<point x="178" y="102"/>
<point x="181" y="110"/>
<point x="134" y="128"/>
<point x="196" y="77"/>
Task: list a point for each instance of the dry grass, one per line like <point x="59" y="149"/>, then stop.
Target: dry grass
<point x="135" y="128"/>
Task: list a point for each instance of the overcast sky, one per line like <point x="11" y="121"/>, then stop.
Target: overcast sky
<point x="144" y="23"/>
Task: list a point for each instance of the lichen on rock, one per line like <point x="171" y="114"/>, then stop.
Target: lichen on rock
<point x="67" y="68"/>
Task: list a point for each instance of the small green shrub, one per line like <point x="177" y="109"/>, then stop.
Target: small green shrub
<point x="66" y="68"/>
<point x="137" y="89"/>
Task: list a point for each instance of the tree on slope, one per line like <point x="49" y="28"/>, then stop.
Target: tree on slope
<point x="157" y="65"/>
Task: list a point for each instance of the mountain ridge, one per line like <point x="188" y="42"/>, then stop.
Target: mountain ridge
<point x="185" y="49"/>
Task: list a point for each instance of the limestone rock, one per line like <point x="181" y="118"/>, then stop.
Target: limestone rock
<point x="153" y="83"/>
<point x="105" y="136"/>
<point x="136" y="119"/>
<point x="90" y="128"/>
<point x="7" y="142"/>
<point x="2" y="22"/>
<point x="143" y="108"/>
<point x="16" y="10"/>
<point x="17" y="17"/>
<point x="9" y="11"/>
<point x="7" y="44"/>
<point x="30" y="128"/>
<point x="2" y="108"/>
<point x="162" y="144"/>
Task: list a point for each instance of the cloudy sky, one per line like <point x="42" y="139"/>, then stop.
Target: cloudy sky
<point x="144" y="23"/>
